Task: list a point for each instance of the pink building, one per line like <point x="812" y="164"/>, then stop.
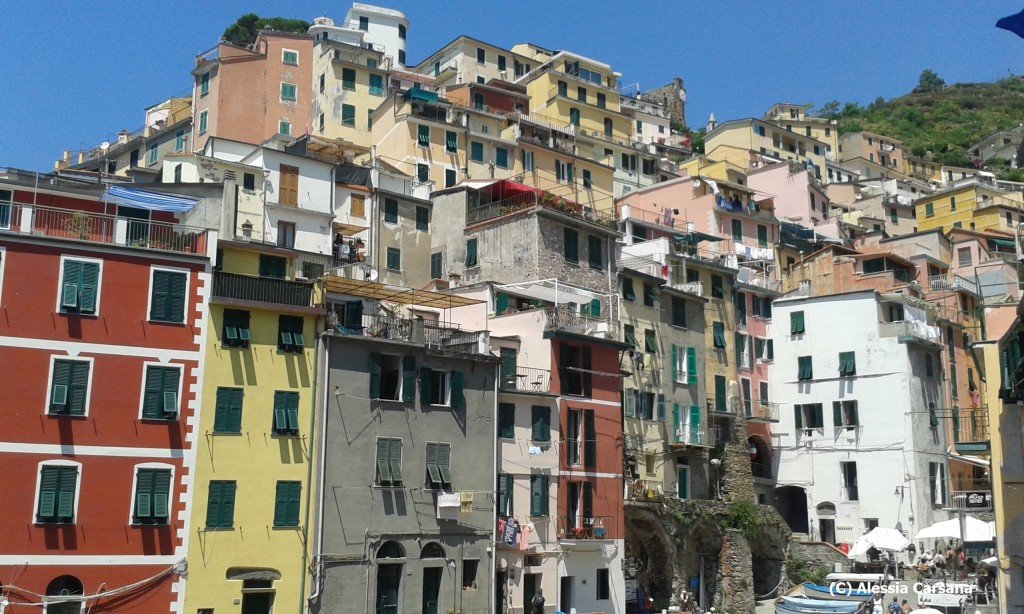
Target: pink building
<point x="798" y="196"/>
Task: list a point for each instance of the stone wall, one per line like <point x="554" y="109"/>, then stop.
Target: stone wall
<point x="737" y="478"/>
<point x="673" y="96"/>
<point x="817" y="555"/>
<point x="735" y="576"/>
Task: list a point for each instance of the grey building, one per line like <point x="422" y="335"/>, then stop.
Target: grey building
<point x="406" y="495"/>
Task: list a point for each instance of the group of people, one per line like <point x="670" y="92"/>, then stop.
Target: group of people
<point x="952" y="563"/>
<point x="349" y="251"/>
<point x="894" y="607"/>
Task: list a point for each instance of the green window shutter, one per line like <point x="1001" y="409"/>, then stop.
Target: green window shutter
<point x="819" y="415"/>
<point x="292" y="410"/>
<point x="59" y="387"/>
<point x="695" y="427"/>
<point x="158" y="299"/>
<point x="541" y="421"/>
<point x="720" y="404"/>
<point x="66" y="493"/>
<point x="79" y="388"/>
<point x="718" y="335"/>
<point x="854" y="418"/>
<point x="49" y="484"/>
<point x="594" y="252"/>
<point x="408" y="379"/>
<point x="160" y="382"/>
<point x="650" y="341"/>
<point x="762" y="235"/>
<point x="228" y="412"/>
<point x="395" y="460"/>
<point x="433" y="454"/>
<point x="144" y="494"/>
<point x="354" y="315"/>
<point x="501" y="157"/>
<point x="770" y="346"/>
<point x="737" y="348"/>
<point x="280" y="413"/>
<point x="383" y="461"/>
<point x="676" y="424"/>
<point x="71" y="289"/>
<point x="571" y="244"/>
<point x="661" y="407"/>
<point x="89" y="287"/>
<point x="837" y="413"/>
<point x="444" y="454"/>
<point x="589" y="440"/>
<point x="678" y="312"/>
<point x="627" y="289"/>
<point x="506" y="420"/>
<point x="796" y="323"/>
<point x="595" y="307"/>
<point x="798" y="416"/>
<point x="538" y="495"/>
<point x="509" y="358"/>
<point x="286" y="504"/>
<point x="737" y="230"/>
<point x="471" y="246"/>
<point x="672" y="364"/>
<point x="476" y="151"/>
<point x="458" y="397"/>
<point x="929" y="209"/>
<point x="691" y="365"/>
<point x="168" y="297"/>
<point x="228" y="504"/>
<point x="451" y="141"/>
<point x="423" y="136"/>
<point x="376" y="85"/>
<point x="161" y="494"/>
<point x="805" y="369"/>
<point x="423" y="219"/>
<point x="425" y="386"/>
<point x="220" y="508"/>
<point x="629" y="334"/>
<point x="847" y="364"/>
<point x="501" y="303"/>
<point x="629" y="402"/>
<point x="374" y="375"/>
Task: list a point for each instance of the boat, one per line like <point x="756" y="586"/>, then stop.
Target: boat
<point x="839" y="593"/>
<point x="821" y="605"/>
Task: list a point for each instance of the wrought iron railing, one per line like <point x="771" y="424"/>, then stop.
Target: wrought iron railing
<point x="563" y="319"/>
<point x="970" y="499"/>
<point x="764" y="411"/>
<point x="525" y="379"/>
<point x="262" y="289"/>
<point x="485" y="211"/>
<point x="583" y="527"/>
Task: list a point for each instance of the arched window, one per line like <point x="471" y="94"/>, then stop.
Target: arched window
<point x="58" y="592"/>
<point x="390" y="550"/>
<point x="432" y="550"/>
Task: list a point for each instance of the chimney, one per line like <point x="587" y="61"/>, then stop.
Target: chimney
<point x="122" y="137"/>
<point x="711" y="122"/>
<point x="81" y="157"/>
<point x="67" y="155"/>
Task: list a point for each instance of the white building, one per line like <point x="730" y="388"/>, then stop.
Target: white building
<point x="385" y="29"/>
<point x="651" y="123"/>
<point x="860" y="437"/>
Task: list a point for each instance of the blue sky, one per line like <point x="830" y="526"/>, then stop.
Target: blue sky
<point x="78" y="72"/>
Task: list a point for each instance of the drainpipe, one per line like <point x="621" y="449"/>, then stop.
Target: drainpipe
<point x="318" y="526"/>
<point x="492" y="581"/>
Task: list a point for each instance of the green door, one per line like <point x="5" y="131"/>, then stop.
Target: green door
<point x="388" y="581"/>
<point x="431" y="589"/>
<point x="683" y="483"/>
<point x="695" y="425"/>
<point x="508" y="368"/>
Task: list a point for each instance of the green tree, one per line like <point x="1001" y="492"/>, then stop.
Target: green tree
<point x="829" y="110"/>
<point x="243" y="31"/>
<point x="929" y="81"/>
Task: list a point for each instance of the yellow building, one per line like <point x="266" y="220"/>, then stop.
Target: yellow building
<point x="922" y="168"/>
<point x="349" y="83"/>
<point x="972" y="206"/>
<point x="768" y="139"/>
<point x="794" y="117"/>
<point x="469" y="60"/>
<point x="248" y="550"/>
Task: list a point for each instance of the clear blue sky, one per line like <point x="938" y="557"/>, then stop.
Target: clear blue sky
<point x="75" y="73"/>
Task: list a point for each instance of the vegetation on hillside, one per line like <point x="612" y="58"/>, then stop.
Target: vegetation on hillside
<point x="243" y="32"/>
<point x="939" y="120"/>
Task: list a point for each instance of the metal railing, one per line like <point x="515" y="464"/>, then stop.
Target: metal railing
<point x="952" y="282"/>
<point x="544" y="122"/>
<point x="726" y="405"/>
<point x="692" y="287"/>
<point x="92" y="227"/>
<point x="443" y="337"/>
<point x="692" y="436"/>
<point x="563" y="319"/>
<point x="970" y="424"/>
<point x="485" y="211"/>
<point x="689" y="250"/>
<point x="970" y="500"/>
<point x="765" y="411"/>
<point x="724" y="204"/>
<point x="405" y="186"/>
<point x="262" y="289"/>
<point x="761" y="470"/>
<point x="525" y="379"/>
<point x="666" y="219"/>
<point x="582" y="527"/>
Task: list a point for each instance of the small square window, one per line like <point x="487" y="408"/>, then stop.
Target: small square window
<point x="394" y="259"/>
<point x="290" y="57"/>
<point x="288" y="92"/>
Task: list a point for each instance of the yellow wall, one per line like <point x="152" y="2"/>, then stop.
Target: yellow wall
<point x="742" y="136"/>
<point x="255" y="458"/>
<point x="968" y="199"/>
<point x="330" y="101"/>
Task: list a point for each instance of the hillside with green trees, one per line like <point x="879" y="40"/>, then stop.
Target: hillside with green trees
<point x="243" y="32"/>
<point x="940" y="120"/>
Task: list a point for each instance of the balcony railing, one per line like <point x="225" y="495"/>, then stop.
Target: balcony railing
<point x="485" y="211"/>
<point x="970" y="424"/>
<point x="750" y="209"/>
<point x="689" y="250"/>
<point x="689" y="436"/>
<point x="583" y="527"/>
<point x="952" y="282"/>
<point x="724" y="406"/>
<point x="761" y="470"/>
<point x="764" y="411"/>
<point x="563" y="319"/>
<point x="92" y="227"/>
<point x="970" y="500"/>
<point x="262" y="289"/>
<point x="441" y="337"/>
<point x="691" y="287"/>
<point x="911" y="331"/>
<point x="544" y="122"/>
<point x="525" y="379"/>
<point x="405" y="186"/>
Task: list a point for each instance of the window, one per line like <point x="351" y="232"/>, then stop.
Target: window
<point x="204" y="84"/>
<point x="478" y="102"/>
<point x="471" y="259"/>
<point x="220" y="505"/>
<point x="289" y="335"/>
<point x="152" y="496"/>
<point x="79" y="287"/>
<point x="608" y="126"/>
<point x="364" y="24"/>
<point x="390" y="210"/>
<point x="423" y="136"/>
<point x="716" y="287"/>
<point x="650" y="295"/>
<point x="69" y="387"/>
<point x="570" y="246"/>
<point x="601" y="100"/>
<point x="587" y="182"/>
<point x="763" y="393"/>
<point x="847" y="364"/>
<point x="228" y="411"/>
<point x="718" y="335"/>
<point x="563" y="88"/>
<point x="501" y="157"/>
<point x="650" y="341"/>
<point x="288" y="180"/>
<point x="376" y="85"/>
<point x="684" y="365"/>
<point x="177" y="173"/>
<point x="563" y="171"/>
<point x="805" y="372"/>
<point x="581" y="94"/>
<point x="401" y="31"/>
<point x="389" y="461"/>
<point x="929" y="210"/>
<point x="203" y="116"/>
<point x="286" y="504"/>
<point x="288" y="92"/>
<point x="506" y="420"/>
<point x="952" y="203"/>
<point x="394" y="261"/>
<point x="595" y="253"/>
<point x="286" y="413"/>
<point x="348" y="115"/>
<point x="167" y="296"/>
<point x="401" y="57"/>
<point x="937" y="483"/>
<point x="629" y="335"/>
<point x="844" y="415"/>
<point x="540" y="421"/>
<point x="796" y="323"/>
<point x="438" y="466"/>
<point x="58" y="486"/>
<point x="849" y="473"/>
<point x="527" y="160"/>
<point x="323" y="83"/>
<point x="286" y="235"/>
<point x="236" y="329"/>
<point x="964" y="257"/>
<point x="392" y="378"/>
<point x="538" y="495"/>
<point x="160" y="393"/>
<point x="436" y="265"/>
<point x="348" y="79"/>
<point x="740" y="303"/>
<point x="678" y="312"/>
<point x="476" y="151"/>
<point x="423" y="219"/>
<point x="481" y="55"/>
<point x="290" y="57"/>
<point x="435" y="387"/>
<point x="469" y="568"/>
<point x="451" y="143"/>
<point x="506" y="485"/>
<point x="574" y="117"/>
<point x="449" y="177"/>
<point x="809" y="416"/>
<point x="627" y="289"/>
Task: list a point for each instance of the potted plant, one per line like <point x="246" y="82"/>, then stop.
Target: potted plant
<point x="78" y="225"/>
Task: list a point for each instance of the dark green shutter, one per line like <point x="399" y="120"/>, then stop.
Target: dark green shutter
<point x="854" y="418"/>
<point x="571" y="247"/>
<point x="720" y="401"/>
<point x="292" y="411"/>
<point x="60" y="394"/>
<point x="78" y="389"/>
<point x="90" y="287"/>
<point x="506" y="420"/>
<point x="152" y="398"/>
<point x="383" y="459"/>
<point x="661" y="407"/>
<point x="538" y="495"/>
<point x="227" y="506"/>
<point x="408" y="379"/>
<point x="286" y="504"/>
<point x="471" y="246"/>
<point x="458" y="397"/>
<point x="501" y="303"/>
<point x="66" y="494"/>
<point x="588" y="500"/>
<point x="161" y="493"/>
<point x="71" y="290"/>
<point x="678" y="312"/>
<point x="280" y="412"/>
<point x="49" y="484"/>
<point x="589" y="440"/>
<point x="144" y="494"/>
<point x="798" y="416"/>
<point x="425" y="386"/>
<point x="374" y="375"/>
<point x="796" y="323"/>
<point x="595" y="308"/>
<point x="627" y="289"/>
<point x="691" y="365"/>
<point x="837" y="413"/>
<point x="159" y="299"/>
<point x="695" y="426"/>
<point x="541" y="421"/>
<point x="354" y="315"/>
<point x="672" y="364"/>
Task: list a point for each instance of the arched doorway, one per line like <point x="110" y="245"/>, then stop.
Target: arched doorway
<point x="827" y="522"/>
<point x="651" y="558"/>
<point x="390" y="557"/>
<point x="791" y="503"/>
<point x="63" y="595"/>
<point x="760" y="457"/>
<point x="432" y="571"/>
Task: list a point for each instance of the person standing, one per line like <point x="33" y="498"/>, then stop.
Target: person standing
<point x="894" y="606"/>
<point x="906" y="609"/>
<point x="537" y="605"/>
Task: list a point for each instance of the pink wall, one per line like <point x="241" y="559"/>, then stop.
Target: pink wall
<point x="791" y="193"/>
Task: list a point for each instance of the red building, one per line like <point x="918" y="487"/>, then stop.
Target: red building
<point x="102" y="317"/>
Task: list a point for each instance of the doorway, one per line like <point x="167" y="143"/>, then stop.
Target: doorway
<point x="138" y="224"/>
<point x="431" y="589"/>
<point x="389" y="578"/>
<point x="500" y="583"/>
<point x="565" y="594"/>
<point x="827" y="530"/>
<point x="683" y="483"/>
<point x="531" y="582"/>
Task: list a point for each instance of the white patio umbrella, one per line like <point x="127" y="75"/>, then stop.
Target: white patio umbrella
<point x="880" y="539"/>
<point x="977" y="530"/>
<point x="926" y="611"/>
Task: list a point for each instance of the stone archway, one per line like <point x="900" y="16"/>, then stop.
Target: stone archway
<point x="791" y="503"/>
<point x="651" y="556"/>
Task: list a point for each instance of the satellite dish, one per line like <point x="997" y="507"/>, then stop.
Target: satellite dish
<point x="104" y="145"/>
<point x="371" y="275"/>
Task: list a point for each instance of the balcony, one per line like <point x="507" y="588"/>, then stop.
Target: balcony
<point x="688" y="437"/>
<point x="692" y="287"/>
<point x="685" y="249"/>
<point x="254" y="289"/>
<point x="404" y="186"/>
<point x="525" y="379"/>
<point x="724" y="406"/>
<point x="747" y="209"/>
<point x="952" y="282"/>
<point x="544" y="122"/>
<point x="762" y="471"/>
<point x="763" y="411"/>
<point x="562" y="319"/>
<point x="970" y="430"/>
<point x="971" y="500"/>
<point x="76" y="225"/>
<point x="438" y="337"/>
<point x="583" y="527"/>
<point x="912" y="332"/>
<point x="481" y="212"/>
<point x="758" y="279"/>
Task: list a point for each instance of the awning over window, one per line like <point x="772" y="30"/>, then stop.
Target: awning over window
<point x="145" y="199"/>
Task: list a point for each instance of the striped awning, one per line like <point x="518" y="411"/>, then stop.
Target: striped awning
<point x="146" y="199"/>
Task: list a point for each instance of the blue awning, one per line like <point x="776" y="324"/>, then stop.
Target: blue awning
<point x="421" y="94"/>
<point x="146" y="199"/>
